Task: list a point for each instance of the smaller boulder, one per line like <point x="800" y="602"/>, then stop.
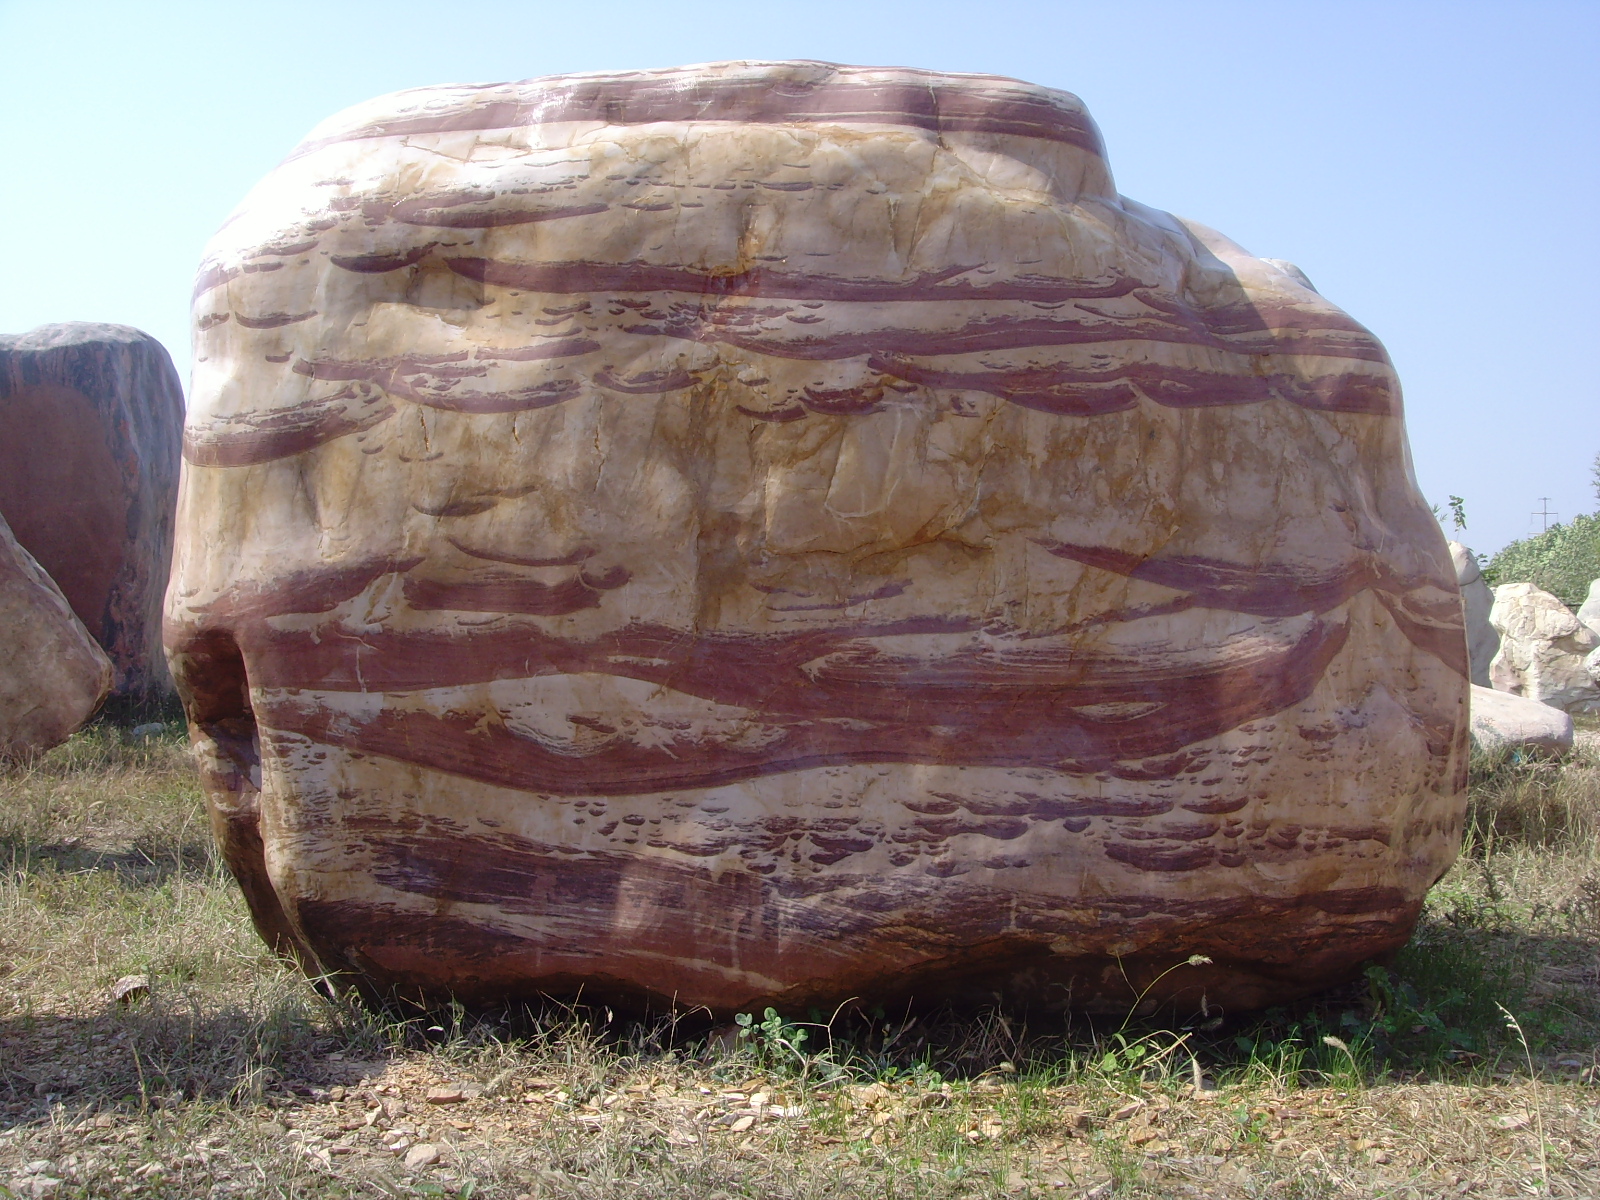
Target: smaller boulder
<point x="1477" y="598"/>
<point x="1589" y="611"/>
<point x="1542" y="649"/>
<point x="423" y="1154"/>
<point x="53" y="675"/>
<point x="1501" y="721"/>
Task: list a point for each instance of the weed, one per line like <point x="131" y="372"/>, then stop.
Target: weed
<point x="778" y="1046"/>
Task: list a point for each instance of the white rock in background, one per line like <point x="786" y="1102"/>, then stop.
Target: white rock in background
<point x="1477" y="598"/>
<point x="1542" y="649"/>
<point x="1501" y="721"/>
<point x="1589" y="610"/>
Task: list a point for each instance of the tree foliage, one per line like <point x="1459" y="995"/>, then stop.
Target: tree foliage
<point x="1562" y="560"/>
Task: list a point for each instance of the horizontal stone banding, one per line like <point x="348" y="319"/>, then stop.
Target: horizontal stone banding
<point x="941" y="105"/>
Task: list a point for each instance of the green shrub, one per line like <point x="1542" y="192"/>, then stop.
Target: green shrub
<point x="1562" y="560"/>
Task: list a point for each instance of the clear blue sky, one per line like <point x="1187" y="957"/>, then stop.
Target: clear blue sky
<point x="1431" y="165"/>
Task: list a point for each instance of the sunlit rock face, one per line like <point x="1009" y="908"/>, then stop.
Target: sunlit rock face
<point x="778" y="533"/>
<point x="91" y="418"/>
<point x="52" y="674"/>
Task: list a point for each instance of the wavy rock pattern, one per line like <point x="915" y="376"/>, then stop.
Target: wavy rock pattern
<point x="772" y="533"/>
<point x="91" y="421"/>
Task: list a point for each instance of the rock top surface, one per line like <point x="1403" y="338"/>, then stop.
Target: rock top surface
<point x="777" y="532"/>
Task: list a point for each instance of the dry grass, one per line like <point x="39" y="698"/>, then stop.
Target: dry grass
<point x="237" y="1077"/>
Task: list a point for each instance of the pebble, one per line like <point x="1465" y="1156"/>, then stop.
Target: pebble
<point x="423" y="1154"/>
<point x="37" y="1187"/>
<point x="130" y="988"/>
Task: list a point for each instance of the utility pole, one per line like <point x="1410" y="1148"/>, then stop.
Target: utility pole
<point x="1544" y="511"/>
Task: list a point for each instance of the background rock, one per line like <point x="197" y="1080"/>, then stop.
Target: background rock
<point x="1589" y="612"/>
<point x="52" y="675"/>
<point x="1477" y="598"/>
<point x="1501" y="721"/>
<point x="91" y="422"/>
<point x="1542" y="648"/>
<point x="778" y="533"/>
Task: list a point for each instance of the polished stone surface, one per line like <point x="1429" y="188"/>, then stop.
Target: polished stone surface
<point x="91" y="421"/>
<point x="774" y="533"/>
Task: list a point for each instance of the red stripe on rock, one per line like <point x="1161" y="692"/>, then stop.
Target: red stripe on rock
<point x="244" y="442"/>
<point x="714" y="937"/>
<point x="375" y="264"/>
<point x="317" y="590"/>
<point x="956" y="713"/>
<point x="1265" y="590"/>
<point x="439" y="212"/>
<point x="768" y="282"/>
<point x="273" y="320"/>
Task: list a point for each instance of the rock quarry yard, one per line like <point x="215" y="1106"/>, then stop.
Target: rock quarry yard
<point x="232" y="1075"/>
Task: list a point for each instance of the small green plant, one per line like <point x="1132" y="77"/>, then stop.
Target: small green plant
<point x="778" y="1045"/>
<point x="1251" y="1127"/>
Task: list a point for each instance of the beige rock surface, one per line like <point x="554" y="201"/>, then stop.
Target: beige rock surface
<point x="52" y="675"/>
<point x="774" y="533"/>
<point x="1542" y="649"/>
<point x="1501" y="721"/>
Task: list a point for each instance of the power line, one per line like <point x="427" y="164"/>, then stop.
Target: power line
<point x="1545" y="512"/>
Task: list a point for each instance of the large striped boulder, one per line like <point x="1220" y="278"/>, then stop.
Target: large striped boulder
<point x="777" y="533"/>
